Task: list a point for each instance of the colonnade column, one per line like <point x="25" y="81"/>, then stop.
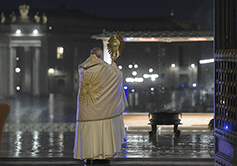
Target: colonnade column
<point x="12" y="75"/>
<point x="36" y="72"/>
<point x="106" y="53"/>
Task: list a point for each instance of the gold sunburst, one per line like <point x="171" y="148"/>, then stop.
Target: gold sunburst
<point x="90" y="88"/>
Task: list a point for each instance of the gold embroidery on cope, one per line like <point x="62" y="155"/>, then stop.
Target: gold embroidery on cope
<point x="90" y="88"/>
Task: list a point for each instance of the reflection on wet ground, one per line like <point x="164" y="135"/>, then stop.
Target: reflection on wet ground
<point x="44" y="128"/>
<point x="55" y="108"/>
<point x="60" y="144"/>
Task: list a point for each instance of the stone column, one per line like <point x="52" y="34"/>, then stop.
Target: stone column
<point x="2" y="76"/>
<point x="12" y="75"/>
<point x="36" y="72"/>
<point x="106" y="53"/>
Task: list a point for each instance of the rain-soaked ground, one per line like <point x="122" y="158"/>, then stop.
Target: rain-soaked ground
<point x="40" y="131"/>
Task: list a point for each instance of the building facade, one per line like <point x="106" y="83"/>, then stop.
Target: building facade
<point x="40" y="51"/>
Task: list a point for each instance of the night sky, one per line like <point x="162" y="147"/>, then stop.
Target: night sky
<point x="199" y="11"/>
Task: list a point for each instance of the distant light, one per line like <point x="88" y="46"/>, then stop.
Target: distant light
<point x="17" y="70"/>
<point x="226" y="127"/>
<point x="134" y="73"/>
<point x="146" y="75"/>
<point x="194" y="85"/>
<point x="205" y="61"/>
<point x="17" y="58"/>
<point x="173" y="65"/>
<point x="50" y="27"/>
<point x="18" y="31"/>
<point x="192" y="65"/>
<point x="61" y="50"/>
<point x="150" y="75"/>
<point x="153" y="78"/>
<point x="120" y="67"/>
<point x="136" y="66"/>
<point x="150" y="70"/>
<point x="152" y="89"/>
<point x="197" y="38"/>
<point x="125" y="87"/>
<point x="164" y="76"/>
<point x="133" y="90"/>
<point x="18" y="88"/>
<point x="152" y="39"/>
<point x="130" y="66"/>
<point x="136" y="79"/>
<point x="182" y="85"/>
<point x="35" y="31"/>
<point x="51" y="71"/>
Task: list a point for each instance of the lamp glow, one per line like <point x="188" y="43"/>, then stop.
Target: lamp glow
<point x="51" y="71"/>
<point x="193" y="65"/>
<point x="35" y="31"/>
<point x="150" y="70"/>
<point x="152" y="89"/>
<point x="194" y="85"/>
<point x="134" y="73"/>
<point x="18" y="31"/>
<point x="205" y="61"/>
<point x="173" y="65"/>
<point x="17" y="70"/>
<point x="18" y="88"/>
<point x="60" y="50"/>
<point x="125" y="87"/>
<point x="226" y="127"/>
<point x="150" y="75"/>
<point x="136" y="79"/>
<point x="130" y="66"/>
<point x="120" y="67"/>
<point x="136" y="66"/>
<point x="133" y="90"/>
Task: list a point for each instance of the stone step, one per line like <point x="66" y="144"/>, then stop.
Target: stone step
<point x="114" y="162"/>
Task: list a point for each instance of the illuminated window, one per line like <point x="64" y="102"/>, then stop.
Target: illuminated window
<point x="60" y="51"/>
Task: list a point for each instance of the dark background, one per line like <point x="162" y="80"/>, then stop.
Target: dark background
<point x="198" y="11"/>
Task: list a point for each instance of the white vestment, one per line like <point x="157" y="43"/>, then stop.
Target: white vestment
<point x="101" y="102"/>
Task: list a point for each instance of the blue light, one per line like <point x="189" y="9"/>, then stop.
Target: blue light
<point x="182" y="85"/>
<point x="125" y="140"/>
<point x="164" y="76"/>
<point x="226" y="127"/>
<point x="125" y="87"/>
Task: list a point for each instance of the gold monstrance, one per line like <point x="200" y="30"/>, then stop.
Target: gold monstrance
<point x="115" y="46"/>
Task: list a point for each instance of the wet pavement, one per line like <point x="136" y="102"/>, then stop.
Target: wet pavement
<point x="58" y="145"/>
<point x="41" y="132"/>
